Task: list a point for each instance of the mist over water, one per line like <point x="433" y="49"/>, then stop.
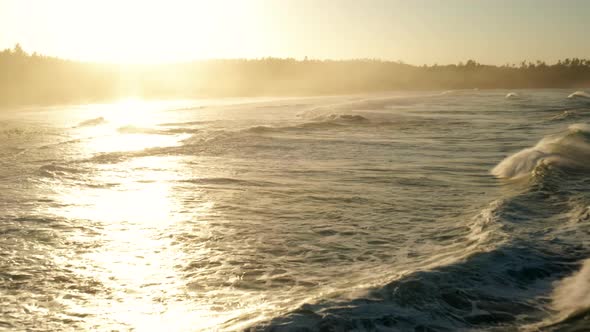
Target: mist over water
<point x="461" y="210"/>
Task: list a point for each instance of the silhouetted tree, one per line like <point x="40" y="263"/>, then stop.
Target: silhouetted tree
<point x="38" y="79"/>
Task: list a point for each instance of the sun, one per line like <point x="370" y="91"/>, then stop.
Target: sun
<point x="143" y="32"/>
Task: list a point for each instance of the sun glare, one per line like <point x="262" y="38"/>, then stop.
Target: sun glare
<point x="132" y="251"/>
<point x="139" y="32"/>
<point x="131" y="111"/>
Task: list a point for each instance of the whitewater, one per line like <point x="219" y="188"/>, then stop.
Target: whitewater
<point x="459" y="210"/>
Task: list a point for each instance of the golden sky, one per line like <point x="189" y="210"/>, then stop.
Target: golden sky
<point x="420" y="31"/>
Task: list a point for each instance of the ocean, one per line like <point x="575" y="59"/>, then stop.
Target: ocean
<point x="413" y="211"/>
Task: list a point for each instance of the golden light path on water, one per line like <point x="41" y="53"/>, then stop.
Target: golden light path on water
<point x="156" y="247"/>
<point x="135" y="213"/>
<point x="294" y="214"/>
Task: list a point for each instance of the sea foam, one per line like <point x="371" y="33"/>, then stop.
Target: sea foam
<point x="579" y="94"/>
<point x="572" y="295"/>
<point x="570" y="149"/>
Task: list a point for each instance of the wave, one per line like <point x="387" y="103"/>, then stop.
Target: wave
<point x="488" y="289"/>
<point x="572" y="296"/>
<point x="372" y="105"/>
<point x="570" y="302"/>
<point x="494" y="283"/>
<point x="512" y="95"/>
<point x="264" y="129"/>
<point x="458" y="92"/>
<point x="91" y="122"/>
<point x="568" y="114"/>
<point x="26" y="131"/>
<point x="346" y="118"/>
<point x="181" y="131"/>
<point x="336" y="120"/>
<point x="230" y="182"/>
<point x="14" y="132"/>
<point x="319" y="122"/>
<point x="184" y="124"/>
<point x="138" y="130"/>
<point x="58" y="171"/>
<point x="568" y="150"/>
<point x="339" y="120"/>
<point x="579" y="94"/>
<point x="439" y="287"/>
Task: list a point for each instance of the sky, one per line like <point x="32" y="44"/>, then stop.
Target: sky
<point x="415" y="32"/>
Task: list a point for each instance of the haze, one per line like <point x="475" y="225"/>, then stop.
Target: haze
<point x="294" y="165"/>
<point x="416" y="32"/>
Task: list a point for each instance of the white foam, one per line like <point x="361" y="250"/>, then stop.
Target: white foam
<point x="564" y="150"/>
<point x="572" y="294"/>
<point x="570" y="297"/>
<point x="579" y="94"/>
<point x="580" y="127"/>
<point x="92" y="122"/>
<point x="519" y="164"/>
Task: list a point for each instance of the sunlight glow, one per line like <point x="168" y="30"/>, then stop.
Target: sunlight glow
<point x="143" y="31"/>
<point x="130" y="111"/>
<point x="133" y="257"/>
<point x="127" y="125"/>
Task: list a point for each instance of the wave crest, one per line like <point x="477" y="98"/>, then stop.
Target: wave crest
<point x="92" y="122"/>
<point x="570" y="149"/>
<point x="138" y="130"/>
<point x="579" y="94"/>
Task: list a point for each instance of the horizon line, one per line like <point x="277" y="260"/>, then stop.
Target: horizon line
<point x="18" y="46"/>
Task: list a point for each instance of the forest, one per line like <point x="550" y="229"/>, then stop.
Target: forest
<point x="33" y="79"/>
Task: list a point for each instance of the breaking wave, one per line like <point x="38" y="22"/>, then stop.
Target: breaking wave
<point x="138" y="130"/>
<point x="377" y="106"/>
<point x="566" y="115"/>
<point x="570" y="302"/>
<point x="572" y="295"/>
<point x="492" y="284"/>
<point x="579" y="94"/>
<point x="567" y="150"/>
<point x="92" y="122"/>
<point x="319" y="122"/>
<point x="373" y="214"/>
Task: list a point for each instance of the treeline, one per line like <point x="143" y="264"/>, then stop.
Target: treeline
<point x="36" y="79"/>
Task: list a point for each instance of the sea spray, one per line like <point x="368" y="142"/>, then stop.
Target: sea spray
<point x="569" y="149"/>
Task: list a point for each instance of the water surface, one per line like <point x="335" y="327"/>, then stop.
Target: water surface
<point x="461" y="210"/>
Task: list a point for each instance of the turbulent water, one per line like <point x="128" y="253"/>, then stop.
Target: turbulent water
<point x="462" y="210"/>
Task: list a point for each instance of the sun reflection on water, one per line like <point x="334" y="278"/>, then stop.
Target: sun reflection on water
<point x="149" y="236"/>
<point x="135" y="213"/>
<point x="128" y="125"/>
<point x="136" y="258"/>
